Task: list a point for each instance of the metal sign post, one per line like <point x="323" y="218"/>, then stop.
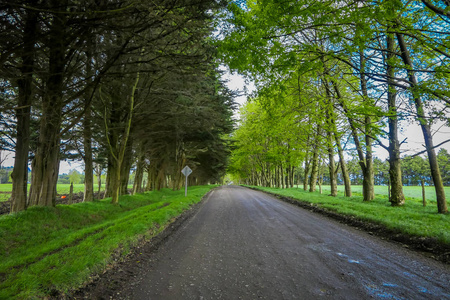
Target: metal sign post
<point x="186" y="172"/>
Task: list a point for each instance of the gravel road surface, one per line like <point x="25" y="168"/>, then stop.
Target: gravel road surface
<point x="244" y="244"/>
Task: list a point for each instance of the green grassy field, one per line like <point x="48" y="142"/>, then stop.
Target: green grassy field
<point x="409" y="191"/>
<point x="44" y="249"/>
<point x="6" y="188"/>
<point x="412" y="218"/>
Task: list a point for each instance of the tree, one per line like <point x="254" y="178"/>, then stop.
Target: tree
<point x="356" y="41"/>
<point x="443" y="158"/>
<point x="416" y="170"/>
<point x="74" y="177"/>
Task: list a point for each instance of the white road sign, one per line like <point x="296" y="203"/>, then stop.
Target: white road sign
<point x="186" y="171"/>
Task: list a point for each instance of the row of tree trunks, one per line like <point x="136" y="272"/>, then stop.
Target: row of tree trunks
<point x="87" y="133"/>
<point x="161" y="177"/>
<point x="343" y="165"/>
<point x="126" y="167"/>
<point x="122" y="157"/>
<point x="331" y="165"/>
<point x="178" y="178"/>
<point x="306" y="170"/>
<point x="140" y="168"/>
<point x="315" y="161"/>
<point x="151" y="176"/>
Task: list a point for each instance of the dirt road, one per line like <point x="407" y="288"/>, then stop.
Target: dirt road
<point x="244" y="244"/>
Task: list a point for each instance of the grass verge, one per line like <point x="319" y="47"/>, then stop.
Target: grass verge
<point x="6" y="188"/>
<point x="411" y="219"/>
<point x="48" y="250"/>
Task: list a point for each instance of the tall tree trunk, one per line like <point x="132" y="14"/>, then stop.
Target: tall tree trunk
<point x="368" y="173"/>
<point x="292" y="171"/>
<point x="306" y="171"/>
<point x="161" y="176"/>
<point x="115" y="182"/>
<point x="331" y="165"/>
<point x="151" y="177"/>
<point x="395" y="173"/>
<point x="88" y="161"/>
<point x="320" y="174"/>
<point x="315" y="162"/>
<point x="98" y="173"/>
<point x="126" y="167"/>
<point x="23" y="112"/>
<point x="178" y="178"/>
<point x="330" y="129"/>
<point x="276" y="178"/>
<point x="119" y="157"/>
<point x="109" y="176"/>
<point x="140" y="167"/>
<point x="287" y="177"/>
<point x="426" y="130"/>
<point x="48" y="150"/>
<point x="343" y="164"/>
<point x="87" y="136"/>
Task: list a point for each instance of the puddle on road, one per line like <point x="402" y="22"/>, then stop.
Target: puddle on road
<point x="352" y="261"/>
<point x="387" y="290"/>
<point x="380" y="293"/>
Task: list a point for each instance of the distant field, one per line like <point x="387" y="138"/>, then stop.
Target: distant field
<point x="409" y="191"/>
<point x="5" y="189"/>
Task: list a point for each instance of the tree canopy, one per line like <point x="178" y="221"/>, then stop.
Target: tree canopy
<point x="364" y="65"/>
<point x="117" y="84"/>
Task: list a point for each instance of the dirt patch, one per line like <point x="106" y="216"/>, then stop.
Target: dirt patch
<point x="118" y="274"/>
<point x="429" y="247"/>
